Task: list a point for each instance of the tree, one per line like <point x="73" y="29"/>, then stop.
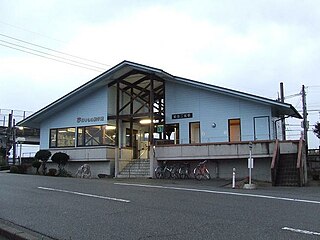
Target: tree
<point x="316" y="129"/>
<point x="44" y="156"/>
<point x="61" y="159"/>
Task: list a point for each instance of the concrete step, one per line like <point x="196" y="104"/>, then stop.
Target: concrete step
<point x="136" y="168"/>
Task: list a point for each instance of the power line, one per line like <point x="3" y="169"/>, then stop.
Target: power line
<point x="50" y="49"/>
<point x="33" y="32"/>
<point x="49" y="58"/>
<point x="67" y="59"/>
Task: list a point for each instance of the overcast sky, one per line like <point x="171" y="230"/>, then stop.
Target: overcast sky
<point x="246" y="45"/>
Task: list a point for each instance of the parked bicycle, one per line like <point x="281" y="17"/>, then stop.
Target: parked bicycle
<point x="184" y="170"/>
<point x="201" y="171"/>
<point x="164" y="171"/>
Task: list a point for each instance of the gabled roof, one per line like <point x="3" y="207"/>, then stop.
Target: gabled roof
<point x="125" y="67"/>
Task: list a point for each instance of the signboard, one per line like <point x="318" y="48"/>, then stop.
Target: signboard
<point x="182" y="115"/>
<point x="250" y="162"/>
<point x="160" y="128"/>
<point x="89" y="119"/>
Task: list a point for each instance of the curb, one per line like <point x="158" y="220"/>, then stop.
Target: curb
<point x="14" y="232"/>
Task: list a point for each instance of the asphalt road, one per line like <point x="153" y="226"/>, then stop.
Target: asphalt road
<point x="69" y="208"/>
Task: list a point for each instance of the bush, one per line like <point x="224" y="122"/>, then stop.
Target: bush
<point x="52" y="172"/>
<point x="19" y="169"/>
<point x="64" y="173"/>
<point x="14" y="169"/>
<point x="36" y="164"/>
<point x="61" y="159"/>
<point x="44" y="156"/>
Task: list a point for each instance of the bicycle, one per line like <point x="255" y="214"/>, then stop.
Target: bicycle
<point x="163" y="171"/>
<point x="201" y="171"/>
<point x="184" y="170"/>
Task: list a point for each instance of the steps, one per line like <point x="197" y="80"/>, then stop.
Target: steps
<point x="138" y="168"/>
<point x="287" y="173"/>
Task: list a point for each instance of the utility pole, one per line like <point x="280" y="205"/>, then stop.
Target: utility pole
<point x="283" y="122"/>
<point x="305" y="123"/>
<point x="14" y="147"/>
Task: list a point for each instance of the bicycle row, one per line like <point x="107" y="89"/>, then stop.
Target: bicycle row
<point x="182" y="171"/>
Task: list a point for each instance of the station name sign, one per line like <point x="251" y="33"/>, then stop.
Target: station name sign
<point x="89" y="119"/>
<point x="182" y="115"/>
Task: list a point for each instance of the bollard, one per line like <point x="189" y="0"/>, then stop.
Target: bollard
<point x="234" y="178"/>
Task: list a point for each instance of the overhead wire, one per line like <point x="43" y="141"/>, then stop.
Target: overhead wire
<point x="67" y="59"/>
<point x="39" y="55"/>
<point x="50" y="49"/>
<point x="30" y="31"/>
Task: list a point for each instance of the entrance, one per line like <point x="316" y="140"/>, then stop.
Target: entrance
<point x="194" y="132"/>
<point x="137" y="105"/>
<point x="234" y="130"/>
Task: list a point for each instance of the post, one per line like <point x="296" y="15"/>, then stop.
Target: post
<point x="305" y="117"/>
<point x="250" y="162"/>
<point x="250" y="185"/>
<point x="283" y="122"/>
<point x="14" y="146"/>
<point x="234" y="178"/>
<point x="20" y="152"/>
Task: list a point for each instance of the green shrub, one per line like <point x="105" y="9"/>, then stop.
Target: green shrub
<point x="61" y="159"/>
<point x="21" y="169"/>
<point x="44" y="156"/>
<point x="64" y="173"/>
<point x="36" y="164"/>
<point x="14" y="169"/>
<point x="52" y="172"/>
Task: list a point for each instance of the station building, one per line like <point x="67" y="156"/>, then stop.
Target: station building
<point x="135" y="115"/>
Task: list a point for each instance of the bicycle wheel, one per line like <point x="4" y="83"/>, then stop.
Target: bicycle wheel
<point x="207" y="175"/>
<point x="167" y="173"/>
<point x="175" y="173"/>
<point x="197" y="173"/>
<point x="158" y="172"/>
<point x="183" y="173"/>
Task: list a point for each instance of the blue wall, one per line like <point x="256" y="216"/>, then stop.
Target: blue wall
<point x="91" y="110"/>
<point x="210" y="107"/>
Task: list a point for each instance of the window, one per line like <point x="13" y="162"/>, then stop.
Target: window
<point x="194" y="132"/>
<point x="96" y="135"/>
<point x="172" y="133"/>
<point x="234" y="130"/>
<point x="261" y="128"/>
<point x="53" y="137"/>
<point x="62" y="137"/>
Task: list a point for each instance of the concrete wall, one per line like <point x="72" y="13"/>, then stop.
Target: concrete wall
<point x="223" y="157"/>
<point x="103" y="167"/>
<point x="216" y="151"/>
<point x="101" y="159"/>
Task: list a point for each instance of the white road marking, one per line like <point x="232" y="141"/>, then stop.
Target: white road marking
<point x="301" y="231"/>
<point x="85" y="194"/>
<point x="220" y="192"/>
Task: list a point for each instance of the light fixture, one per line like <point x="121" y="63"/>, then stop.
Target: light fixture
<point x="109" y="127"/>
<point x="145" y="121"/>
